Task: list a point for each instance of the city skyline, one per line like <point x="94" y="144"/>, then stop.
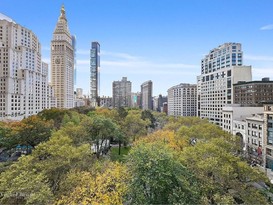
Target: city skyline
<point x="162" y="41"/>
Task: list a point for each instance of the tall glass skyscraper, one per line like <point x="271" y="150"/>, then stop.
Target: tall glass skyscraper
<point x="94" y="71"/>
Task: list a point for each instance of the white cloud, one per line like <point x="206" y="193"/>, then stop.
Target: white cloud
<point x="119" y="55"/>
<point x="46" y="60"/>
<point x="139" y="67"/>
<point x="258" y="58"/>
<point x="267" y="27"/>
<point x="83" y="52"/>
<point x="262" y="72"/>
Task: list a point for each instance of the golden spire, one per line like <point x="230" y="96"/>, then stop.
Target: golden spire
<point x="63" y="12"/>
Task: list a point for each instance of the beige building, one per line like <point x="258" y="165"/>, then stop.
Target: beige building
<point x="62" y="63"/>
<point x="24" y="88"/>
<point x="182" y="100"/>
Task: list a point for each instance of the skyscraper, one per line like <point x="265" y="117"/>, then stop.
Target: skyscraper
<point x="95" y="73"/>
<point x="62" y="63"/>
<point x="23" y="76"/>
<point x="220" y="69"/>
<point x="122" y="93"/>
<point x="146" y="95"/>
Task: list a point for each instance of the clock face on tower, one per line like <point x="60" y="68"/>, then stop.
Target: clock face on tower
<point x="57" y="61"/>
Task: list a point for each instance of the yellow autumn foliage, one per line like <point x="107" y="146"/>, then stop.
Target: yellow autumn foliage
<point x="167" y="137"/>
<point x="108" y="186"/>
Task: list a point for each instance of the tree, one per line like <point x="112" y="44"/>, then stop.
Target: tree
<point x="25" y="187"/>
<point x="158" y="177"/>
<point x="134" y="126"/>
<point x="105" y="186"/>
<point x="224" y="177"/>
<point x="100" y="130"/>
<point x="54" y="114"/>
<point x="148" y="115"/>
<point x="31" y="131"/>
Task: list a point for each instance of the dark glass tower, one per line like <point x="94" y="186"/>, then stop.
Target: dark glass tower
<point x="94" y="70"/>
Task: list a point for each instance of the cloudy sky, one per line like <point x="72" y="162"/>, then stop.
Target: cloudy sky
<point x="159" y="40"/>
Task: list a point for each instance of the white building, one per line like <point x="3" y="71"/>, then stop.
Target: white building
<point x="24" y="88"/>
<point x="182" y="100"/>
<point x="62" y="63"/>
<point x="234" y="112"/>
<point x="220" y="69"/>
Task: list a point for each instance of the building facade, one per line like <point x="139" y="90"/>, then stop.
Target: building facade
<point x="95" y="73"/>
<point x="136" y="100"/>
<point x="254" y="137"/>
<point x="268" y="137"/>
<point x="236" y="111"/>
<point x="74" y="46"/>
<point x="253" y="93"/>
<point x="220" y="69"/>
<point x="158" y="102"/>
<point x="122" y="93"/>
<point x="106" y="102"/>
<point x="24" y="88"/>
<point x="146" y="95"/>
<point x="62" y="63"/>
<point x="182" y="100"/>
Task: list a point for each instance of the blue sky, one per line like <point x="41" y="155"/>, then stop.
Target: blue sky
<point x="158" y="40"/>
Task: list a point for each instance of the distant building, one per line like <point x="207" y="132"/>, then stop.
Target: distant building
<point x="122" y="93"/>
<point x="253" y="93"/>
<point x="95" y="73"/>
<point x="62" y="63"/>
<point x="165" y="107"/>
<point x="79" y="92"/>
<point x="136" y="100"/>
<point x="106" y="102"/>
<point x="182" y="100"/>
<point x="24" y="88"/>
<point x="146" y="95"/>
<point x="158" y="103"/>
<point x="220" y="69"/>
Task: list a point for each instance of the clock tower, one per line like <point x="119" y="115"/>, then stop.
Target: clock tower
<point x="62" y="63"/>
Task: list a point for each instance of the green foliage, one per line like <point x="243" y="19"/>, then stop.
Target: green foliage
<point x="115" y="156"/>
<point x="148" y="115"/>
<point x="100" y="129"/>
<point x="33" y="130"/>
<point x="26" y="187"/>
<point x="158" y="177"/>
<point x="83" y="109"/>
<point x="134" y="126"/>
<point x="54" y="114"/>
<point x="223" y="176"/>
